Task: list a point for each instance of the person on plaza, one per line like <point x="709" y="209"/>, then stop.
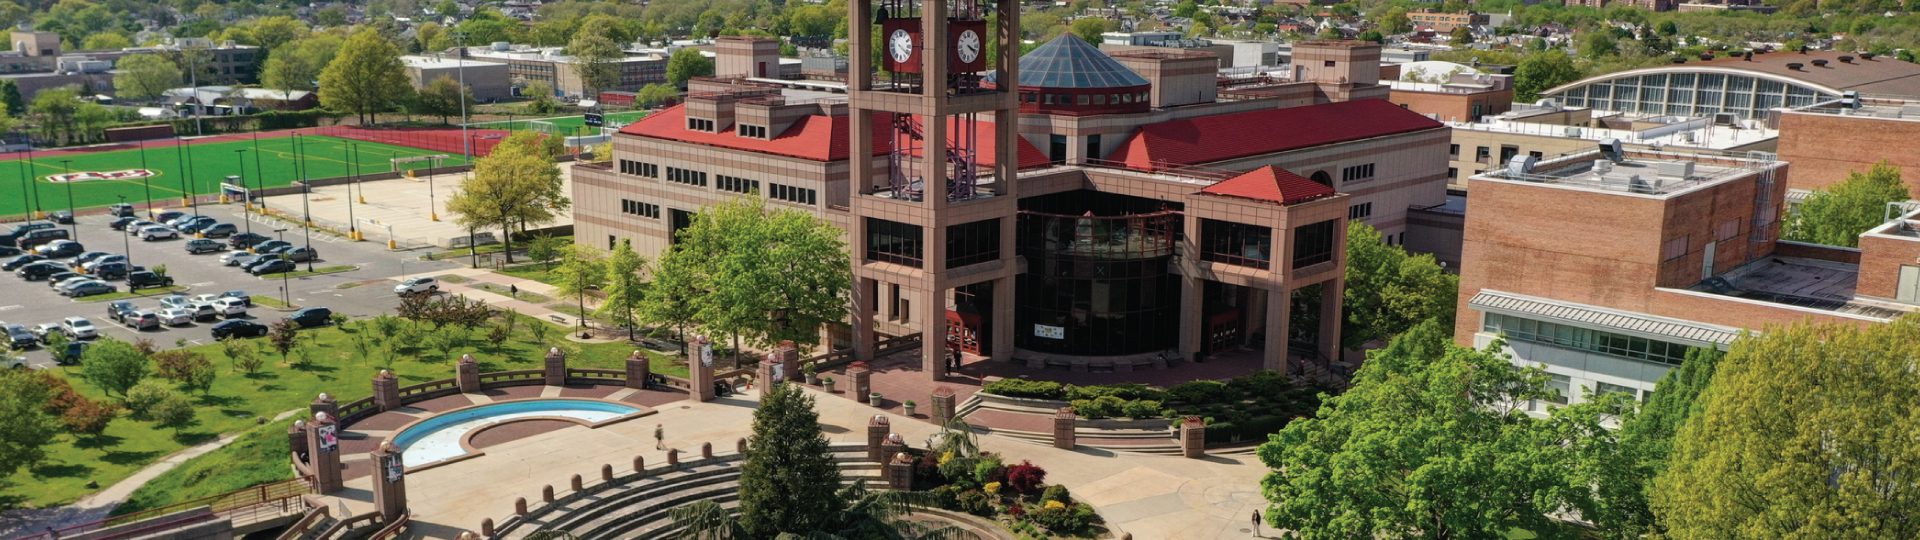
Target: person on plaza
<point x="1256" y="523"/>
<point x="513" y="290"/>
<point x="659" y="437"/>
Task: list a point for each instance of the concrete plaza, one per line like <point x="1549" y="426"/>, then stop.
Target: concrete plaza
<point x="398" y="209"/>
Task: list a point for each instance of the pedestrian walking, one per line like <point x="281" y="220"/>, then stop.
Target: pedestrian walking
<point x="1256" y="523"/>
<point x="513" y="290"/>
<point x="659" y="437"/>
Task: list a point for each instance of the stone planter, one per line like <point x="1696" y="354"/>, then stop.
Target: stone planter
<point x="828" y="385"/>
<point x="909" y="408"/>
<point x="874" y="399"/>
<point x="813" y="379"/>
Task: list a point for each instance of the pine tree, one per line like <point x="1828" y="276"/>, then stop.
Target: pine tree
<point x="789" y="481"/>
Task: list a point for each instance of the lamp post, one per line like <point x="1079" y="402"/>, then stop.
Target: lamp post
<point x="126" y="241"/>
<point x="353" y="177"/>
<point x="38" y="210"/>
<point x="285" y="291"/>
<point x="306" y="188"/>
<point x="66" y="168"/>
<point x="193" y="199"/>
<point x="245" y="220"/>
<point x="26" y="201"/>
<point x="146" y="181"/>
<point x="180" y="162"/>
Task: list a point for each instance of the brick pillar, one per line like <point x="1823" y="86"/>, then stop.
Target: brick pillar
<point x="877" y="430"/>
<point x="942" y="406"/>
<point x="297" y="437"/>
<point x="862" y="384"/>
<point x="900" y="472"/>
<point x="700" y="370"/>
<point x="740" y="447"/>
<point x="386" y="391"/>
<point x="323" y="436"/>
<point x="788" y="355"/>
<point x="1063" y="423"/>
<point x="764" y="373"/>
<point x="467" y="372"/>
<point x="324" y="403"/>
<point x="895" y="444"/>
<point x="556" y="367"/>
<point x="389" y="481"/>
<point x="639" y="369"/>
<point x="706" y="450"/>
<point x="1193" y="437"/>
<point x="673" y="458"/>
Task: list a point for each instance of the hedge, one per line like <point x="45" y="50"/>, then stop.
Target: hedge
<point x="1022" y="388"/>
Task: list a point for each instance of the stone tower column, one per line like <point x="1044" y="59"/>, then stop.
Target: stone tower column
<point x="389" y="481"/>
<point x="700" y="369"/>
<point x="386" y="391"/>
<point x="942" y="406"/>
<point x="324" y="403"/>
<point x="467" y="372"/>
<point x="323" y="438"/>
<point x="788" y="355"/>
<point x="862" y="381"/>
<point x="1063" y="423"/>
<point x="639" y="369"/>
<point x="877" y="430"/>
<point x="555" y="368"/>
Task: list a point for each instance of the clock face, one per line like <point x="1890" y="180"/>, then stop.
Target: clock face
<point x="967" y="46"/>
<point x="900" y="45"/>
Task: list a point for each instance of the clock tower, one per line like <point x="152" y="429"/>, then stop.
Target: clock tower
<point x="933" y="176"/>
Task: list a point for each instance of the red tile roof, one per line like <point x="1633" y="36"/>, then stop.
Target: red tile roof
<point x="814" y="137"/>
<point x="1209" y="139"/>
<point x="1271" y="184"/>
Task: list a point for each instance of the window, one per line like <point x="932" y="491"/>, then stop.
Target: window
<point x="735" y="184"/>
<point x="790" y="194"/>
<point x="973" y="243"/>
<point x="1360" y="211"/>
<point x="1357" y="173"/>
<point x="1516" y="328"/>
<point x="759" y="132"/>
<point x="1452" y="173"/>
<point x="1536" y="155"/>
<point x="1237" y="244"/>
<point x="892" y="242"/>
<point x="1328" y="63"/>
<point x="611" y="242"/>
<point x="1453" y="151"/>
<point x="1313" y="244"/>
<point x="636" y="168"/>
<point x="1674" y="248"/>
<point x="1083" y="100"/>
<point x="1481" y="154"/>
<point x="700" y="124"/>
<point x="683" y="176"/>
<point x="629" y="167"/>
<point x="1559" y="387"/>
<point x="1600" y="388"/>
<point x="640" y="208"/>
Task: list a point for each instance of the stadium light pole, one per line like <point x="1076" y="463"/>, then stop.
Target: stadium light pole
<point x="66" y="168"/>
<point x="285" y="288"/>
<point x="193" y="199"/>
<point x="39" y="211"/>
<point x="353" y="177"/>
<point x="146" y="181"/>
<point x="26" y="201"/>
<point x="126" y="240"/>
<point x="257" y="173"/>
<point x="180" y="161"/>
<point x="240" y="162"/>
<point x="306" y="209"/>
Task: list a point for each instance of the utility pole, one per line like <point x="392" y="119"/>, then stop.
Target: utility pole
<point x="38" y="211"/>
<point x="180" y="161"/>
<point x="126" y="242"/>
<point x="146" y="181"/>
<point x="285" y="289"/>
<point x="26" y="181"/>
<point x="306" y="209"/>
<point x="353" y="227"/>
<point x="66" y="167"/>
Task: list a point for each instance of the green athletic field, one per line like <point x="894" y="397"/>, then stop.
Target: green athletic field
<point x="196" y="168"/>
<point x="569" y="125"/>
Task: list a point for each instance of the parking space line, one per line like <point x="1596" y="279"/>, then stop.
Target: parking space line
<point x="12" y="307"/>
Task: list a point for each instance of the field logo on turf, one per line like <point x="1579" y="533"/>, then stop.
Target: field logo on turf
<point x="97" y="175"/>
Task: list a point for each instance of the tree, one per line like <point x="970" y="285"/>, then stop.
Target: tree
<point x="173" y="413"/>
<point x="539" y="96"/>
<point x="545" y="248"/>
<point x="431" y="37"/>
<point x="654" y="95"/>
<point x="1837" y="215"/>
<point x="10" y="97"/>
<point x="1541" y="71"/>
<point x="283" y="336"/>
<point x="597" y="61"/>
<point x="1394" y="20"/>
<point x="624" y="287"/>
<point x="788" y="480"/>
<point x="88" y="418"/>
<point x="677" y="286"/>
<point x="517" y="183"/>
<point x="244" y="354"/>
<point x="1389" y="290"/>
<point x="1599" y="44"/>
<point x="580" y="270"/>
<point x="143" y="398"/>
<point x="1089" y="28"/>
<point x="1622" y="475"/>
<point x="365" y="78"/>
<point x="188" y="368"/>
<point x="764" y="275"/>
<point x="445" y="98"/>
<point x="685" y="64"/>
<point x="26" y="426"/>
<point x="113" y="365"/>
<point x="1428" y="442"/>
<point x="53" y="110"/>
<point x="106" y="41"/>
<point x="1460" y="35"/>
<point x="1806" y="431"/>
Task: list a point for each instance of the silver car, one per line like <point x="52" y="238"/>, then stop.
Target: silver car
<point x="157" y="232"/>
<point x="176" y="317"/>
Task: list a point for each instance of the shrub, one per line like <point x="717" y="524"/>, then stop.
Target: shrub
<point x="1100" y="407"/>
<point x="1026" y="478"/>
<point x="988" y="469"/>
<point x="992" y="488"/>
<point x="174" y="413"/>
<point x="1022" y="388"/>
<point x="88" y="417"/>
<point x="974" y="502"/>
<point x="1063" y="519"/>
<point x="1259" y="383"/>
<point x="947" y="497"/>
<point x="144" y="397"/>
<point x="1056" y="492"/>
<point x="1122" y="391"/>
<point x="958" y="470"/>
<point x="1198" y="392"/>
<point x="1141" y="408"/>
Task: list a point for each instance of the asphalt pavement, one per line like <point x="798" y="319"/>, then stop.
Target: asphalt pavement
<point x="364" y="291"/>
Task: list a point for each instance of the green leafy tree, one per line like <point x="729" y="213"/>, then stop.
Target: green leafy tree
<point x="445" y="98"/>
<point x="175" y="413"/>
<point x="143" y="398"/>
<point x="685" y="64"/>
<point x="10" y="97"/>
<point x="26" y="425"/>
<point x="366" y="77"/>
<point x="678" y="285"/>
<point x="544" y="249"/>
<point x="1621" y="465"/>
<point x="788" y="480"/>
<point x="1805" y="432"/>
<point x="625" y="289"/>
<point x="431" y="37"/>
<point x="580" y="270"/>
<point x="106" y="41"/>
<point x="1394" y="20"/>
<point x="1541" y="71"/>
<point x="654" y="95"/>
<point x="597" y="60"/>
<point x="1389" y="290"/>
<point x="1837" y="215"/>
<point x="517" y="184"/>
<point x="244" y="354"/>
<point x="53" y="112"/>
<point x="1460" y="35"/>
<point x="770" y="275"/>
<point x="1089" y="28"/>
<point x="113" y="365"/>
<point x="1599" y="44"/>
<point x="190" y="369"/>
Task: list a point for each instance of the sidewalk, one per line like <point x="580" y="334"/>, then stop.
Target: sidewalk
<point x="502" y="301"/>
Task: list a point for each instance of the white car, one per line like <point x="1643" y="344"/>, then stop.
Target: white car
<point x="417" y="285"/>
<point x="202" y="300"/>
<point x="41" y="330"/>
<point x="157" y="232"/>
<point x="232" y="258"/>
<point x="174" y="301"/>
<point x="79" y="328"/>
<point x="133" y="229"/>
<point x="175" y="317"/>
<point x="230" y="307"/>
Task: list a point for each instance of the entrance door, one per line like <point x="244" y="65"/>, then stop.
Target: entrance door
<point x="1909" y="288"/>
<point x="1224" y="332"/>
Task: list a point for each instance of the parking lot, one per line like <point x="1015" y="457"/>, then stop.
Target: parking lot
<point x="364" y="290"/>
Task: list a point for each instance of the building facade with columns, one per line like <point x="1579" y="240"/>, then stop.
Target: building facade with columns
<point x="1076" y="208"/>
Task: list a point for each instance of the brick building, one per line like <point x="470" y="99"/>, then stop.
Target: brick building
<point x="1828" y="140"/>
<point x="1089" y="201"/>
<point x="1444" y="22"/>
<point x="1451" y="92"/>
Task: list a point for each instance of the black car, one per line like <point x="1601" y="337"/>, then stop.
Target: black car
<point x="272" y="266"/>
<point x="40" y="270"/>
<point x="197" y="224"/>
<point x="15" y="233"/>
<point x="114" y="270"/>
<point x="71" y="354"/>
<point x="168" y="216"/>
<point x="242" y="295"/>
<point x="62" y="276"/>
<point x="220" y="230"/>
<point x="245" y="240"/>
<point x="20" y="337"/>
<point x="259" y="260"/>
<point x="9" y="251"/>
<point x="238" y="328"/>
<point x="65" y="249"/>
<point x="144" y="279"/>
<point x="62" y="217"/>
<point x="20" y="260"/>
<point x="311" y="317"/>
<point x="120" y="223"/>
<point x="271" y="245"/>
<point x="201" y="245"/>
<point x="118" y="310"/>
<point x="120" y="209"/>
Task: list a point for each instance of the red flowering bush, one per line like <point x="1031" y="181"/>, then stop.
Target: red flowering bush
<point x="1026" y="478"/>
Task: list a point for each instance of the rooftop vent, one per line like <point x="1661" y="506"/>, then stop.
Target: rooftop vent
<point x="1636" y="184"/>
<point x="1601" y="166"/>
<point x="1795" y="66"/>
<point x="1675" y="169"/>
<point x="1521" y="164"/>
<point x="1846" y="59"/>
<point x="1612" y="149"/>
<point x="1819" y="63"/>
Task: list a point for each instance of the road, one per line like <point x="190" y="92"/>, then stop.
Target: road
<point x="363" y="291"/>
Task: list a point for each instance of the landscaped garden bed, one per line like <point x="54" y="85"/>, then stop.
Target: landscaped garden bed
<point x="1244" y="408"/>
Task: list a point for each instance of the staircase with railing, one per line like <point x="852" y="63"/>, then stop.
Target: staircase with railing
<point x="251" y="509"/>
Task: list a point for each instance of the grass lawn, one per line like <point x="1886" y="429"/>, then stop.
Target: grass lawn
<point x="571" y="125"/>
<point x="272" y="302"/>
<point x="502" y="290"/>
<point x="538" y="272"/>
<point x="142" y="293"/>
<point x="238" y="399"/>
<point x="194" y="168"/>
<point x="258" y="456"/>
<point x="317" y="270"/>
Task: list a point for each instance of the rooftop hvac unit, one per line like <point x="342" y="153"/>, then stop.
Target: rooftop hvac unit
<point x="1726" y="119"/>
<point x="1686" y="137"/>
<point x="1521" y="165"/>
<point x="1601" y="166"/>
<point x="1612" y="149"/>
<point x="1574" y="132"/>
<point x="1675" y="169"/>
<point x="1636" y="184"/>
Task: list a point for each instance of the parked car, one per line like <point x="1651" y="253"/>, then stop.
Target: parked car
<point x="270" y="245"/>
<point x="91" y="265"/>
<point x="238" y="328"/>
<point x="62" y="280"/>
<point x="20" y="337"/>
<point x="87" y="288"/>
<point x="16" y="362"/>
<point x="15" y="233"/>
<point x="260" y="259"/>
<point x="275" y="250"/>
<point x="239" y="295"/>
<point x="230" y="307"/>
<point x="157" y="233"/>
<point x="40" y="237"/>
<point x="175" y="317"/>
<point x="418" y="285"/>
<point x="120" y="210"/>
<point x="41" y="330"/>
<point x="147" y="280"/>
<point x="175" y="301"/>
<point x="20" y="260"/>
<point x="183" y="221"/>
<point x="201" y="245"/>
<point x="273" y="266"/>
<point x="120" y="223"/>
<point x="59" y="249"/>
<point x="39" y="270"/>
<point x="78" y="328"/>
<point x="62" y="217"/>
<point x="302" y="254"/>
<point x="312" y="317"/>
<point x="219" y="230"/>
<point x="235" y="257"/>
<point x="118" y="310"/>
<point x="133" y="229"/>
<point x="7" y="250"/>
<point x="169" y="215"/>
<point x="245" y="240"/>
<point x="196" y="225"/>
<point x="110" y="271"/>
<point x="85" y="258"/>
<point x="71" y="353"/>
<point x="142" y="320"/>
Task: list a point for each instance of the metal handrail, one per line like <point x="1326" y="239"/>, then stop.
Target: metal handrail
<point x="229" y="502"/>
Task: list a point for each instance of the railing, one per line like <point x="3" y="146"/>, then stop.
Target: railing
<point x="885" y="347"/>
<point x="357" y="409"/>
<point x="239" y="505"/>
<point x="590" y="374"/>
<point x="428" y="388"/>
<point x="299" y="528"/>
<point x="349" y="524"/>
<point x="512" y="378"/>
<point x="392" y="530"/>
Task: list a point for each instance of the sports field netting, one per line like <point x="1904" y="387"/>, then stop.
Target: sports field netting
<point x="566" y="125"/>
<point x="200" y="167"/>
